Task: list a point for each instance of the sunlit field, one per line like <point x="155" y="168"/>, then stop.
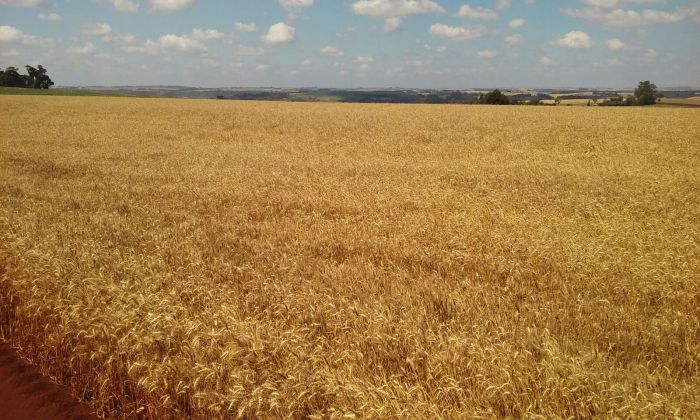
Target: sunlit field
<point x="694" y="101"/>
<point x="216" y="259"/>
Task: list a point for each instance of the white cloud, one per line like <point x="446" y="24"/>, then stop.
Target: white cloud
<point x="503" y="4"/>
<point x="440" y="30"/>
<point x="110" y="57"/>
<point x="615" y="44"/>
<point x="602" y="3"/>
<point x="165" y="6"/>
<point x="263" y="67"/>
<point x="546" y="61"/>
<point x="50" y="17"/>
<point x="331" y="51"/>
<point x="126" y="6"/>
<point x="516" y="23"/>
<point x="250" y="51"/>
<point x="393" y="11"/>
<point x="122" y="39"/>
<point x="279" y="33"/>
<point x="306" y="62"/>
<point x="178" y="43"/>
<point x="21" y="3"/>
<point x="488" y="54"/>
<point x="97" y="29"/>
<point x="206" y="34"/>
<point x="245" y="27"/>
<point x="468" y="12"/>
<point x="395" y="8"/>
<point x="88" y="48"/>
<point x="149" y="47"/>
<point x="391" y="24"/>
<point x="574" y="39"/>
<point x="364" y="62"/>
<point x="515" y="39"/>
<point x="166" y="44"/>
<point x="624" y="18"/>
<point x="12" y="35"/>
<point x="295" y="4"/>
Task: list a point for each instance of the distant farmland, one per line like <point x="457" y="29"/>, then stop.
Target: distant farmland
<point x="172" y="258"/>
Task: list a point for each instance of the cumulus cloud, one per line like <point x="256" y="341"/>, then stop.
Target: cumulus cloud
<point x="12" y="35"/>
<point x="171" y="43"/>
<point x="165" y="6"/>
<point x="126" y="6"/>
<point x="121" y="39"/>
<point x="250" y="51"/>
<point x="295" y="4"/>
<point x="468" y="12"/>
<point x="279" y="33"/>
<point x="97" y="29"/>
<point x="488" y="54"/>
<point x="615" y="44"/>
<point x="245" y="27"/>
<point x="21" y="3"/>
<point x="206" y="34"/>
<point x="516" y="23"/>
<point x="503" y="4"/>
<point x="50" y="17"/>
<point x="331" y="51"/>
<point x="393" y="11"/>
<point x="574" y="39"/>
<point x="88" y="48"/>
<point x="392" y="24"/>
<point x="607" y="13"/>
<point x="178" y="43"/>
<point x="513" y="40"/>
<point x="364" y="62"/>
<point x="395" y="8"/>
<point x="440" y="30"/>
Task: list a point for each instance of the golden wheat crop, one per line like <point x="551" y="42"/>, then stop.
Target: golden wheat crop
<point x="172" y="258"/>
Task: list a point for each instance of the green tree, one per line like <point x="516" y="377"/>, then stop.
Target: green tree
<point x="36" y="78"/>
<point x="43" y="81"/>
<point x="11" y="78"/>
<point x="495" y="97"/>
<point x="646" y="93"/>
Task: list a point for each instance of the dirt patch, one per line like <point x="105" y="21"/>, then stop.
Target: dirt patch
<point x="26" y="394"/>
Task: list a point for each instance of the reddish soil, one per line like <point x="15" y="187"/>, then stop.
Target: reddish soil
<point x="25" y="394"/>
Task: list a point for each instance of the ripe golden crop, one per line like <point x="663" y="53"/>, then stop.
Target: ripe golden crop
<point x="243" y="259"/>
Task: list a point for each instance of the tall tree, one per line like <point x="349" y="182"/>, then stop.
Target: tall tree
<point x="11" y="78"/>
<point x="36" y="78"/>
<point x="646" y="93"/>
<point x="43" y="80"/>
<point x="31" y="76"/>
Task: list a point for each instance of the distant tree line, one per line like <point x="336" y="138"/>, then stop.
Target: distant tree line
<point x="36" y="78"/>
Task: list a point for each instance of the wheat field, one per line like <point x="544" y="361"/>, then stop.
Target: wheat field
<point x="223" y="259"/>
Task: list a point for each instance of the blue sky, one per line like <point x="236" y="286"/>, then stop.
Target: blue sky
<point x="356" y="43"/>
